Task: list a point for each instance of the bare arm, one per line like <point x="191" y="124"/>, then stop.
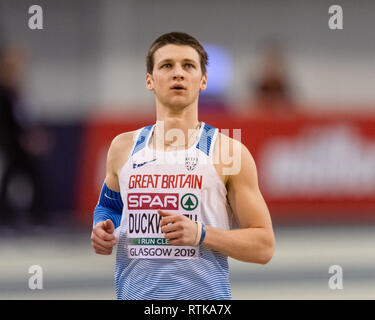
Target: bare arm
<point x="118" y="154"/>
<point x="102" y="236"/>
<point x="254" y="241"/>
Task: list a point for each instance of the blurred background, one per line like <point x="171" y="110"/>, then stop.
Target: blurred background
<point x="302" y="94"/>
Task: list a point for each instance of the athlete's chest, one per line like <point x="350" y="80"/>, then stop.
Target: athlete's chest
<point x="167" y="171"/>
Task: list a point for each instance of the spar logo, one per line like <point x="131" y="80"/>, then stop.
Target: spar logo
<point x="189" y="201"/>
<point x="152" y="201"/>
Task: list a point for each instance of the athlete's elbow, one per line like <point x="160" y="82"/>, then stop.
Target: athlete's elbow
<point x="262" y="256"/>
<point x="266" y="257"/>
<point x="266" y="252"/>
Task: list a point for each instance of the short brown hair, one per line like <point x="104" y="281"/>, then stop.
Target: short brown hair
<point x="178" y="38"/>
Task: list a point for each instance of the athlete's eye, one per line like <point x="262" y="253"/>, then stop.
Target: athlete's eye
<point x="189" y="65"/>
<point x="166" y="65"/>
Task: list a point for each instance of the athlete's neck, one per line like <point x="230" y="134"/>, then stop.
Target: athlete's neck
<point x="185" y="120"/>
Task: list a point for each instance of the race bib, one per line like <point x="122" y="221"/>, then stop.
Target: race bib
<point x="144" y="236"/>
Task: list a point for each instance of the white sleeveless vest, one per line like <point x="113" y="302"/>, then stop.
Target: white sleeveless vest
<point x="183" y="182"/>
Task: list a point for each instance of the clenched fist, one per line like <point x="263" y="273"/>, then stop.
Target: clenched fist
<point x="102" y="237"/>
<point x="178" y="229"/>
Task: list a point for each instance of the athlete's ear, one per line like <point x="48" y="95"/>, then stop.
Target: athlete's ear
<point x="149" y="82"/>
<point x="203" y="84"/>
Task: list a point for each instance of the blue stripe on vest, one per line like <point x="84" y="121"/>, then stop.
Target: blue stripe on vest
<point x="142" y="138"/>
<point x="205" y="141"/>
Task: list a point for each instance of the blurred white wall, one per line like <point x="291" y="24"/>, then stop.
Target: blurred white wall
<point x="91" y="54"/>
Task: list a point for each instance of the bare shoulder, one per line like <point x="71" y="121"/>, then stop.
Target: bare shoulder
<point x="232" y="158"/>
<point x="125" y="139"/>
<point x="224" y="141"/>
<point x="120" y="149"/>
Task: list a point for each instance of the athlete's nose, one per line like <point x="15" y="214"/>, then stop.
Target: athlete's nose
<point x="178" y="77"/>
<point x="178" y="73"/>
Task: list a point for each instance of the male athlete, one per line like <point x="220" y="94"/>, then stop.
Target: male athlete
<point x="170" y="199"/>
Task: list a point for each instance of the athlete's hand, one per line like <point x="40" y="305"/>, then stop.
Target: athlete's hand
<point x="178" y="229"/>
<point x="102" y="237"/>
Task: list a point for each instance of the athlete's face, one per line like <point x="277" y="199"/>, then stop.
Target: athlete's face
<point x="177" y="76"/>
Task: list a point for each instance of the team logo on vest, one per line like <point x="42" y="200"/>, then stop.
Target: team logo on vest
<point x="189" y="201"/>
<point x="191" y="163"/>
